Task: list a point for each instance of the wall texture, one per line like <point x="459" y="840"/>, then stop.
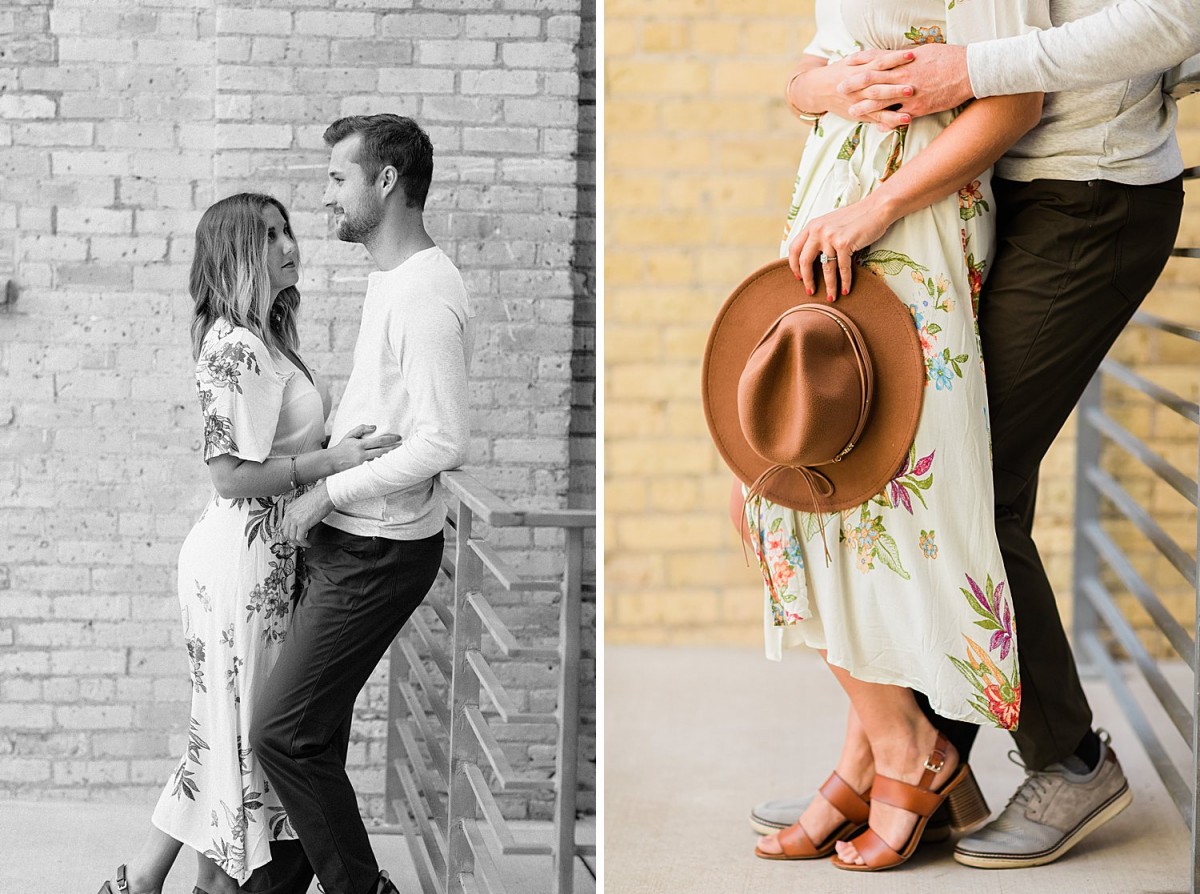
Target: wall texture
<point x="119" y="124"/>
<point x="700" y="153"/>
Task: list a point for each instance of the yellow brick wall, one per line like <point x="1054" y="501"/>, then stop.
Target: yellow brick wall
<point x="700" y="152"/>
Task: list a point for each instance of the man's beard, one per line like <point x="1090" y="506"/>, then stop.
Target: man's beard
<point x="361" y="228"/>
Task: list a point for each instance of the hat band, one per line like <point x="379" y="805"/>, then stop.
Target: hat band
<point x="810" y="475"/>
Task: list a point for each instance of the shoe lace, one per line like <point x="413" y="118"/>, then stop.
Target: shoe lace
<point x="1034" y="786"/>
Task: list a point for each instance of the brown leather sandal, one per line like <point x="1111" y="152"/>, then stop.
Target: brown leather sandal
<point x="794" y="842"/>
<point x="961" y="795"/>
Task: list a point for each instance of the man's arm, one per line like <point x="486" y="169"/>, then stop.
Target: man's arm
<point x="1125" y="40"/>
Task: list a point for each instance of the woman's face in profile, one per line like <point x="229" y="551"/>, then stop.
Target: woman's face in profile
<point x="283" y="257"/>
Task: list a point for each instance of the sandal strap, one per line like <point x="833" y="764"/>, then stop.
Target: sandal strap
<point x="935" y="761"/>
<point x="842" y="796"/>
<point x="794" y="842"/>
<point x="122" y="884"/>
<point x="875" y="851"/>
<point x="904" y="795"/>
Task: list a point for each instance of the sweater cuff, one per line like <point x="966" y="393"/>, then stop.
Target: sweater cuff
<point x="340" y="486"/>
<point x="1004" y="67"/>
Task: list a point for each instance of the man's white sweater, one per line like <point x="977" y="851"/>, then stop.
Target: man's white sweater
<point x="410" y="378"/>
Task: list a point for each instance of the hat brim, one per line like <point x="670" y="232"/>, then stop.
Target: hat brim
<point x="891" y="337"/>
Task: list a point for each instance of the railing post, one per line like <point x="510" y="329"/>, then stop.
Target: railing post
<point x="1087" y="511"/>
<point x="567" y="771"/>
<point x="1194" y="827"/>
<point x="464" y="692"/>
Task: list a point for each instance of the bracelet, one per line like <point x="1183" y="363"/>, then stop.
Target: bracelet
<point x="294" y="483"/>
<point x="799" y="113"/>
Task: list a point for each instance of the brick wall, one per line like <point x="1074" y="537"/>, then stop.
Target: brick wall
<point x="119" y="124"/>
<point x="700" y="154"/>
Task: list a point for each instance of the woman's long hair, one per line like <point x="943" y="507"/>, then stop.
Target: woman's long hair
<point x="229" y="274"/>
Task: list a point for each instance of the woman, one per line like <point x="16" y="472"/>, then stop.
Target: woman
<point x="912" y="597"/>
<point x="264" y="424"/>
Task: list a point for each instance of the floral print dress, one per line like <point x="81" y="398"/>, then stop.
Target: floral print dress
<point x="237" y="577"/>
<point x="915" y="594"/>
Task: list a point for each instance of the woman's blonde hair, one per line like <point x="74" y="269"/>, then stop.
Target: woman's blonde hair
<point x="229" y="276"/>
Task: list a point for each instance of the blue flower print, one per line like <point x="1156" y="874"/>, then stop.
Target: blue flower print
<point x="940" y="374"/>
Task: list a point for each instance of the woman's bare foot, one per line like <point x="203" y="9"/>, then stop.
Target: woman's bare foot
<point x="906" y="763"/>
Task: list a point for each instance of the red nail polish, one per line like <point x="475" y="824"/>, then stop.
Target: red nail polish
<point x="845" y="290"/>
<point x="906" y="118"/>
<point x="910" y="56"/>
<point x="811" y="292"/>
<point x="908" y="91"/>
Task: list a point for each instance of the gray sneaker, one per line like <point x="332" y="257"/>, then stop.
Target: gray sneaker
<point x="1049" y="814"/>
<point x="771" y="816"/>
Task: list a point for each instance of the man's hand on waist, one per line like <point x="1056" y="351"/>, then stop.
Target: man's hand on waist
<point x="303" y="514"/>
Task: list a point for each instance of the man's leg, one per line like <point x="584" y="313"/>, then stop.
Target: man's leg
<point x="1073" y="263"/>
<point x="289" y="871"/>
<point x="359" y="594"/>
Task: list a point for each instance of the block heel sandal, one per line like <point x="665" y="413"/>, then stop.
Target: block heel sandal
<point x="961" y="795"/>
<point x="794" y="842"/>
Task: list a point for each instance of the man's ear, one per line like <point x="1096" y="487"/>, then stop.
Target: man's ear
<point x="389" y="179"/>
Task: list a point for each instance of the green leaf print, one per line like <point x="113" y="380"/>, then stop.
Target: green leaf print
<point x="851" y="143"/>
<point x="888" y="553"/>
<point x="811" y="525"/>
<point x="886" y="262"/>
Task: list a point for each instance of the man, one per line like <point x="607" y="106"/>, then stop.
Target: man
<point x="372" y="535"/>
<point x="1088" y="206"/>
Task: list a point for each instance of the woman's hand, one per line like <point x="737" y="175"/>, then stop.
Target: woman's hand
<point x="356" y="448"/>
<point x="831" y="240"/>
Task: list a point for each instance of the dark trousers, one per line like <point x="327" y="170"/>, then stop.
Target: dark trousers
<point x="1073" y="261"/>
<point x="360" y="592"/>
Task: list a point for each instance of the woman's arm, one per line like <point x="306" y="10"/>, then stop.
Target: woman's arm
<point x="234" y="477"/>
<point x="959" y="154"/>
<point x="812" y="87"/>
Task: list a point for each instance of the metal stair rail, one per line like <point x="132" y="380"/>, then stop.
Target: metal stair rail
<point x="1098" y="620"/>
<point x="443" y="756"/>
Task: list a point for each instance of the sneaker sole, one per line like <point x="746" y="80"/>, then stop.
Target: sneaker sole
<point x="933" y="834"/>
<point x="1098" y="818"/>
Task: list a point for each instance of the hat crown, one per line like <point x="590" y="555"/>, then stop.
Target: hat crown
<point x="804" y="390"/>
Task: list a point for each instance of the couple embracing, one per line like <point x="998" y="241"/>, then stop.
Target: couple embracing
<point x="308" y="559"/>
<point x="915" y="573"/>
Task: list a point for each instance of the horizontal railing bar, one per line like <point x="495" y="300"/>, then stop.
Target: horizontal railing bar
<point x="1186" y="252"/>
<point x="1174" y="783"/>
<point x="437" y="652"/>
<point x="420" y="721"/>
<point x="444" y="612"/>
<point x="1137" y="448"/>
<point x="1172" y="551"/>
<point x="440" y="709"/>
<point x="1191" y="173"/>
<point x="1162" y="324"/>
<point x="507" y="575"/>
<point x="486" y="505"/>
<point x="506" y="842"/>
<point x="1107" y="549"/>
<point x="490" y="508"/>
<point x="496" y="757"/>
<point x="1185" y="408"/>
<point x="586" y="850"/>
<point x="435" y="846"/>
<point x="426" y="877"/>
<point x="500" y="697"/>
<point x="430" y="776"/>
<point x="1101" y="600"/>
<point x="503" y="637"/>
<point x="484" y="864"/>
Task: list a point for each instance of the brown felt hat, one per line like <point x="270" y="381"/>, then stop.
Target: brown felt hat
<point x="813" y="405"/>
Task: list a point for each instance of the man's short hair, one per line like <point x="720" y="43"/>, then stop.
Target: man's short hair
<point x="390" y="140"/>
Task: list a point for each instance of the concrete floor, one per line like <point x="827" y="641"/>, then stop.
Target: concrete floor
<point x="66" y="847"/>
<point x="694" y="737"/>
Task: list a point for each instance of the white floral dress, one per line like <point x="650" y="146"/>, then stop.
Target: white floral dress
<point x="915" y="594"/>
<point x="237" y="578"/>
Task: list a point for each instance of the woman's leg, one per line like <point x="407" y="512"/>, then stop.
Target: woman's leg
<point x="901" y="738"/>
<point x="211" y="879"/>
<point x="856" y="766"/>
<point x="147" y="871"/>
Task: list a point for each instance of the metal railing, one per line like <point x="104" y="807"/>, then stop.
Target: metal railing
<point x="443" y="756"/>
<point x="1098" y="623"/>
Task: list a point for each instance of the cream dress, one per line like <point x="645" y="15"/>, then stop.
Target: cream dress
<point x="915" y="594"/>
<point x="237" y="577"/>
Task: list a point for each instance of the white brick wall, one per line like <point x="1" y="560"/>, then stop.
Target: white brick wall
<point x="118" y="126"/>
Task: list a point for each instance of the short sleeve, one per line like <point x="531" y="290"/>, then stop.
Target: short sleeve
<point x="971" y="21"/>
<point x="832" y="41"/>
<point x="241" y="393"/>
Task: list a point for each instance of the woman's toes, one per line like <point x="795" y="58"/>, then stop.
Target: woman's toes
<point x="769" y="844"/>
<point x="848" y="853"/>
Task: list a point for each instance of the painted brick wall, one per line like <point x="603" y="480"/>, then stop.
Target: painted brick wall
<point x="700" y="154"/>
<point x="119" y="124"/>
